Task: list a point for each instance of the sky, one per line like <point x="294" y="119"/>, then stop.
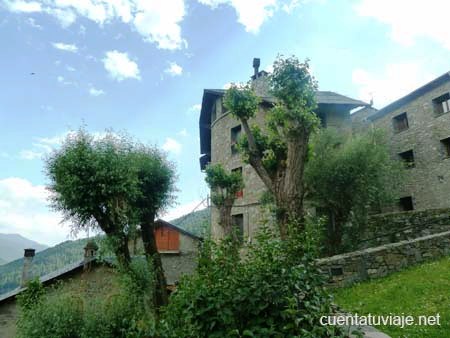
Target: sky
<point x="140" y="66"/>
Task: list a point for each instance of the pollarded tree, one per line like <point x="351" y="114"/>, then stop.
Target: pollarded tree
<point x="224" y="187"/>
<point x="156" y="178"/>
<point x="347" y="177"/>
<point x="278" y="151"/>
<point x="92" y="185"/>
<point x="117" y="185"/>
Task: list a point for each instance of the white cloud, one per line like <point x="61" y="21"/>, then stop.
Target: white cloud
<point x="70" y="68"/>
<point x="96" y="92"/>
<point x="24" y="210"/>
<point x="183" y="132"/>
<point x="174" y="69"/>
<point x="173" y="146"/>
<point x="63" y="81"/>
<point x="23" y="6"/>
<point x="65" y="47"/>
<point x="156" y="21"/>
<point x="391" y="84"/>
<point x="194" y="109"/>
<point x="410" y="20"/>
<point x="159" y="22"/>
<point x="30" y="154"/>
<point x="33" y="23"/>
<point x="120" y="66"/>
<point x="251" y="13"/>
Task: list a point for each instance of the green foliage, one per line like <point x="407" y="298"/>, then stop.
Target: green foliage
<point x="274" y="291"/>
<point x="126" y="312"/>
<point x="54" y="317"/>
<point x="241" y="101"/>
<point x="349" y="176"/>
<point x="224" y="185"/>
<point x="32" y="295"/>
<point x="111" y="182"/>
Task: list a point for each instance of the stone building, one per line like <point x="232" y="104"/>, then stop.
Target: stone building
<point x="90" y="277"/>
<point x="418" y="129"/>
<point x="219" y="132"/>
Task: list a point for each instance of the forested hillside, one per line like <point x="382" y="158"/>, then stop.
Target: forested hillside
<point x="197" y="222"/>
<point x="44" y="262"/>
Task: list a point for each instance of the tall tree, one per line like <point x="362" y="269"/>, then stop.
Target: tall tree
<point x="224" y="187"/>
<point x="91" y="184"/>
<point x="117" y="185"/>
<point x="156" y="178"/>
<point x="278" y="151"/>
<point x="347" y="177"/>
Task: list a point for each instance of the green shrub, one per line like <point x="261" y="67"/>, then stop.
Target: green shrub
<point x="126" y="312"/>
<point x="274" y="291"/>
<point x="54" y="317"/>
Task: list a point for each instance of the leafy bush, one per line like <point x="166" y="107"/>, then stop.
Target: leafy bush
<point x="273" y="291"/>
<point x="54" y="317"/>
<point x="125" y="312"/>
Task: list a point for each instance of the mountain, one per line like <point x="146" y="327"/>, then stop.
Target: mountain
<point x="12" y="246"/>
<point x="44" y="262"/>
<point x="2" y="261"/>
<point x="197" y="222"/>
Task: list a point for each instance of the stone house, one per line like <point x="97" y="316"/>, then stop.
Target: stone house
<point x="89" y="276"/>
<point x="418" y="130"/>
<point x="219" y="132"/>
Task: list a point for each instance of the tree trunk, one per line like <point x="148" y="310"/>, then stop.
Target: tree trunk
<point x="160" y="297"/>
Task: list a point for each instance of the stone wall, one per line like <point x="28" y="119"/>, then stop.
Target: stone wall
<point x="394" y="227"/>
<point x="345" y="269"/>
<point x="428" y="182"/>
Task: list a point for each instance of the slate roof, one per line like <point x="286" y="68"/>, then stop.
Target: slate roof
<point x="161" y="222"/>
<point x="48" y="278"/>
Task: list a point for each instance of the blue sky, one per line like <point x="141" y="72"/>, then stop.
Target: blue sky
<point x="141" y="66"/>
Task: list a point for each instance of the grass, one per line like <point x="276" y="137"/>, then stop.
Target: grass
<point x="417" y="291"/>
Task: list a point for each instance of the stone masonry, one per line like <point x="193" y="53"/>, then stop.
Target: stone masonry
<point x="428" y="180"/>
<point x="345" y="269"/>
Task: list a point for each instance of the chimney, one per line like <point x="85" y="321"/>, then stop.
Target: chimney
<point x="90" y="251"/>
<point x="27" y="264"/>
<point x="256" y="64"/>
<point x="260" y="82"/>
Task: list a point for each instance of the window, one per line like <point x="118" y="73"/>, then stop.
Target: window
<point x="445" y="144"/>
<point x="240" y="193"/>
<point x="238" y="226"/>
<point x="408" y="158"/>
<point x="406" y="203"/>
<point x="400" y="122"/>
<point x="442" y="104"/>
<point x="235" y="134"/>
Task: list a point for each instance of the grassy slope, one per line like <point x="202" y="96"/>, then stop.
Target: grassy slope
<point x="421" y="290"/>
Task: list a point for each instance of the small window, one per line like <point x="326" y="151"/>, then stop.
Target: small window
<point x="238" y="226"/>
<point x="240" y="193"/>
<point x="406" y="203"/>
<point x="408" y="158"/>
<point x="400" y="122"/>
<point x="445" y="144"/>
<point x="441" y="104"/>
<point x="235" y="134"/>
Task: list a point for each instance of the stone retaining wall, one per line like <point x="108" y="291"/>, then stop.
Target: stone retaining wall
<point x="380" y="261"/>
<point x="399" y="226"/>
